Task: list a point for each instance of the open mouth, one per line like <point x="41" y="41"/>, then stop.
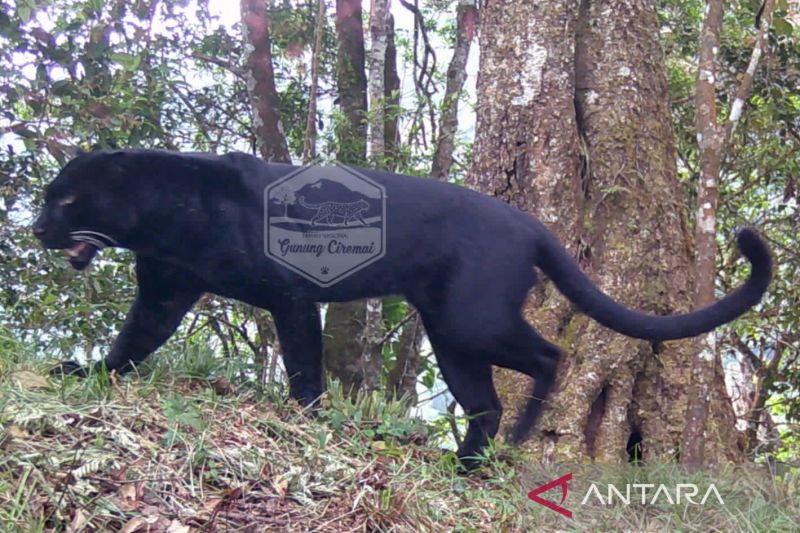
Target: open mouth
<point x="86" y="245"/>
<point x="81" y="254"/>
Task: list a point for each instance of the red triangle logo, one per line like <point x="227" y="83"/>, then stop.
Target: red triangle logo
<point x="562" y="482"/>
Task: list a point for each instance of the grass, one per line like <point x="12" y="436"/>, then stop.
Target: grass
<point x="189" y="446"/>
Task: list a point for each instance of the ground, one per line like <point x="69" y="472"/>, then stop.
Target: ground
<point x="191" y="446"/>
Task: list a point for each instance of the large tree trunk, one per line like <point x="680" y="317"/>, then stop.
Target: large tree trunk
<point x="574" y="127"/>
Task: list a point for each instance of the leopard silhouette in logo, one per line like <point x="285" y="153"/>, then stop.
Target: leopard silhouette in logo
<point x="327" y="211"/>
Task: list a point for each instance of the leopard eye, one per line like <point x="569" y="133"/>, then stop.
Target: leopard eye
<point x="66" y="201"/>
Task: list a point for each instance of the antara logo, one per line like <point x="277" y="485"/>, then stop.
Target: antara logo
<point x="638" y="493"/>
<point x="562" y="482"/>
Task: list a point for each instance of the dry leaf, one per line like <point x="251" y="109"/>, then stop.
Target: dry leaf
<point x="281" y="485"/>
<point x="221" y="386"/>
<point x="212" y="504"/>
<point x="177" y="527"/>
<point x="18" y="432"/>
<point x="135" y="524"/>
<point x="232" y="494"/>
<point x="25" y="379"/>
<point x="130" y="496"/>
<point x="78" y="521"/>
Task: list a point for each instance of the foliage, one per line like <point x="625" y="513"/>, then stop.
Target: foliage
<point x="758" y="183"/>
<point x="165" y="74"/>
<point x="167" y="453"/>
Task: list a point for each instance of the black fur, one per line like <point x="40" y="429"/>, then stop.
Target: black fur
<point x="464" y="260"/>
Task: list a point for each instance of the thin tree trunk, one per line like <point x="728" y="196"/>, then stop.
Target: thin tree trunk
<point x="466" y="20"/>
<point x="402" y="378"/>
<point x="260" y="78"/>
<point x="372" y="337"/>
<point x="765" y="378"/>
<point x="712" y="139"/>
<point x="378" y="29"/>
<point x="391" y="96"/>
<point x="310" y="140"/>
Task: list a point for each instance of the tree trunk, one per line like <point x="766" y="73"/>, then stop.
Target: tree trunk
<point x="310" y="140"/>
<point x="466" y="20"/>
<point x="344" y="322"/>
<point x="574" y="127"/>
<point x="270" y="139"/>
<point x="391" y="95"/>
<point x="402" y="379"/>
<point x="372" y="337"/>
<point x="378" y="30"/>
<point x="351" y="80"/>
<point x="260" y="77"/>
<point x="712" y="138"/>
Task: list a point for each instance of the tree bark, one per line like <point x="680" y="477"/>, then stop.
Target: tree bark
<point x="712" y="138"/>
<point x="270" y="139"/>
<point x="466" y="20"/>
<point x="378" y="29"/>
<point x="391" y="95"/>
<point x="260" y="78"/>
<point x="351" y="81"/>
<point x="574" y="127"/>
<point x="344" y="322"/>
<point x="310" y="140"/>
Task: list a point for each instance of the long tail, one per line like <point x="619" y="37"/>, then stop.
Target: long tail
<point x="560" y="267"/>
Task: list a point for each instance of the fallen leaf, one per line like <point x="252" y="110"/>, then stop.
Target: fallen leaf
<point x="25" y="379"/>
<point x="232" y="494"/>
<point x="212" y="504"/>
<point x="119" y="474"/>
<point x="221" y="386"/>
<point x="130" y="496"/>
<point x="137" y="523"/>
<point x="281" y="485"/>
<point x="177" y="527"/>
<point x="78" y="521"/>
<point x="378" y="445"/>
<point x="18" y="432"/>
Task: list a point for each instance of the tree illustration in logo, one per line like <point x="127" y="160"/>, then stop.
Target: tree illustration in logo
<point x="285" y="195"/>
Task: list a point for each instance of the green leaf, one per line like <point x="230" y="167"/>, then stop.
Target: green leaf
<point x="24" y="12"/>
<point x="126" y="61"/>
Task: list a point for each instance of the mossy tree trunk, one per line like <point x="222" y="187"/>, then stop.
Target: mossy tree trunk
<point x="574" y="127"/>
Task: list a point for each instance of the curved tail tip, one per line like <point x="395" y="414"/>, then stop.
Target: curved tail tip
<point x="755" y="249"/>
<point x="753" y="246"/>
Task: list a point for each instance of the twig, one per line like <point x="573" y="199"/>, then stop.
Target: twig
<point x="227" y="65"/>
